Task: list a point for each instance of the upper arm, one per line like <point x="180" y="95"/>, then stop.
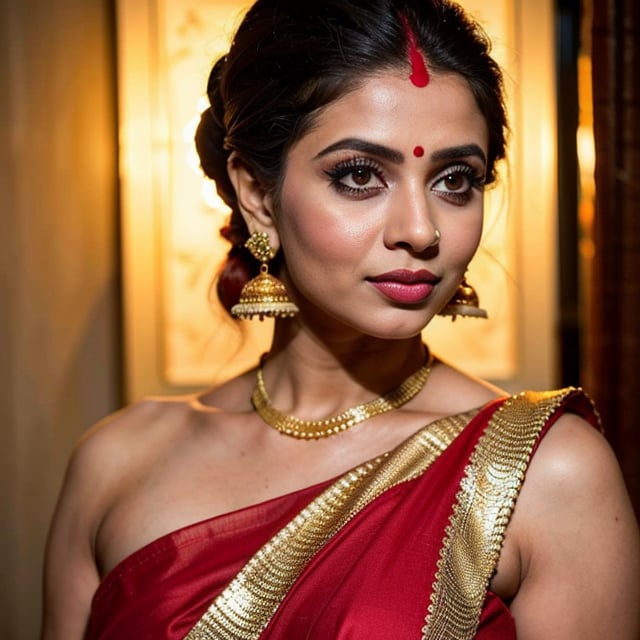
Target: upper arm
<point x="578" y="541"/>
<point x="96" y="471"/>
<point x="70" y="574"/>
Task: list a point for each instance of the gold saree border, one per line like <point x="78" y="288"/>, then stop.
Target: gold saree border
<point x="483" y="507"/>
<point x="247" y="604"/>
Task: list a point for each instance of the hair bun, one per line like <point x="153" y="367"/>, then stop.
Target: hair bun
<point x="210" y="137"/>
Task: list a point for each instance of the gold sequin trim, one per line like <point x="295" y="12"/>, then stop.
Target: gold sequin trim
<point x="484" y="504"/>
<point x="246" y="605"/>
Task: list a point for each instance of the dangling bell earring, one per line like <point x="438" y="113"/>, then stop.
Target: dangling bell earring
<point x="264" y="295"/>
<point x="464" y="302"/>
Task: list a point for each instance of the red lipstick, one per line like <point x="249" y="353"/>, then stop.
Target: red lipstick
<point x="405" y="286"/>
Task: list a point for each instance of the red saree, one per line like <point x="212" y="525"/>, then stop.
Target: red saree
<point x="376" y="573"/>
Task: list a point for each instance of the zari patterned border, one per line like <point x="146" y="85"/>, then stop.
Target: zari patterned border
<point x="246" y="605"/>
<point x="484" y="504"/>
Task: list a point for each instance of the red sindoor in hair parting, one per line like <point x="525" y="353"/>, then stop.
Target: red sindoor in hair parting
<point x="419" y="73"/>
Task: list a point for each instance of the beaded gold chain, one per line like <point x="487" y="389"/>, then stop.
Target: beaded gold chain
<point x="313" y="429"/>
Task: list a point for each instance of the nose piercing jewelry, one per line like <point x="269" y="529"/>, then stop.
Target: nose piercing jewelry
<point x="436" y="239"/>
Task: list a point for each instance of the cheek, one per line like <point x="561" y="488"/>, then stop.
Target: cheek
<point x="321" y="259"/>
<point x="470" y="244"/>
<point x="459" y="244"/>
<point x="309" y="232"/>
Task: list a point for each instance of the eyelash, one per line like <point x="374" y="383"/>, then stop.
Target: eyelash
<point x="474" y="179"/>
<point x="348" y="167"/>
<point x="345" y="168"/>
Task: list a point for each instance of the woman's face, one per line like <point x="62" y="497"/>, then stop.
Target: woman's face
<point x="363" y="194"/>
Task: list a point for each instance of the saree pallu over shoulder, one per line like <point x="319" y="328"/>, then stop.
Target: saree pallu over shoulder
<point x="482" y="511"/>
<point x="485" y="492"/>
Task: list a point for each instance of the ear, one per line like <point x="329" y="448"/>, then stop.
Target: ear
<point x="253" y="200"/>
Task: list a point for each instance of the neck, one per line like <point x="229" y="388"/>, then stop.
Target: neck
<point x="312" y="377"/>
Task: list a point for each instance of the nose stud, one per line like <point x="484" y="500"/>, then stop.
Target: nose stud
<point x="436" y="238"/>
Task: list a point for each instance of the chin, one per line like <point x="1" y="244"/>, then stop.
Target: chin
<point x="398" y="328"/>
<point x="386" y="322"/>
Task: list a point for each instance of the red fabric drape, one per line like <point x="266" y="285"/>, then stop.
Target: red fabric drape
<point x="614" y="317"/>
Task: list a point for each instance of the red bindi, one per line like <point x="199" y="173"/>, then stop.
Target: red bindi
<point x="418" y="152"/>
<point x="419" y="73"/>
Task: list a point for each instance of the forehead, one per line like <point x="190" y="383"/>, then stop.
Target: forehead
<point x="389" y="108"/>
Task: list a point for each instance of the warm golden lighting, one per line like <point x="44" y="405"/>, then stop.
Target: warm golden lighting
<point x="586" y="156"/>
<point x="586" y="211"/>
<point x="587" y="163"/>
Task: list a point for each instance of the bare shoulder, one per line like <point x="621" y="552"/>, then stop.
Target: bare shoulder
<point x="106" y="455"/>
<point x="114" y="443"/>
<point x="139" y="433"/>
<point x="577" y="538"/>
<point x="574" y="464"/>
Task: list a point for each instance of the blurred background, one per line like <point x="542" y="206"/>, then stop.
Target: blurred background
<point x="108" y="234"/>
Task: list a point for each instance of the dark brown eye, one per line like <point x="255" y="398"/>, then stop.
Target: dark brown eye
<point x="361" y="176"/>
<point x="357" y="177"/>
<point x="456" y="184"/>
<point x="455" y="181"/>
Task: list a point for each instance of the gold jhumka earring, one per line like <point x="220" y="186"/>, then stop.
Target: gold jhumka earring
<point x="264" y="295"/>
<point x="464" y="302"/>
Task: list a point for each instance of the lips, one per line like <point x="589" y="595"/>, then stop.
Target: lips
<point x="405" y="286"/>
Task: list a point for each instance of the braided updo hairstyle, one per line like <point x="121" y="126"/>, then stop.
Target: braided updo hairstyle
<point x="289" y="59"/>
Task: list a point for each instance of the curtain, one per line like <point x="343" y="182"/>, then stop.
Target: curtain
<point x="613" y="332"/>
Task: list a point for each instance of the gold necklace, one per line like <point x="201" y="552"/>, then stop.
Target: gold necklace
<point x="313" y="429"/>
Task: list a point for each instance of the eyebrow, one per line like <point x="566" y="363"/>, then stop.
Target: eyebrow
<point x="461" y="151"/>
<point x="397" y="157"/>
<point x="357" y="144"/>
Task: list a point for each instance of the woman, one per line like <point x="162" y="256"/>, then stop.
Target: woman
<point x="353" y="485"/>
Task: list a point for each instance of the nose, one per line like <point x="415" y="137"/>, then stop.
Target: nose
<point x="410" y="224"/>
